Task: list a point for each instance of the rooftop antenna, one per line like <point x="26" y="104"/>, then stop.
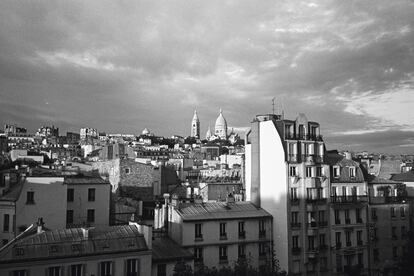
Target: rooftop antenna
<point x="273" y="105"/>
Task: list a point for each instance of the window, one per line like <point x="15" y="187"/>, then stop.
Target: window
<point x="91" y="215"/>
<point x="374" y="213"/>
<point x="309" y="172"/>
<point x="19" y="273"/>
<point x="105" y="268"/>
<point x="402" y="212"/>
<point x="70" y="195"/>
<point x="338" y="263"/>
<point x="395" y="252"/>
<point x="262" y="249"/>
<point x="338" y="239"/>
<point x="358" y="215"/>
<point x="311" y="242"/>
<point x="69" y="216"/>
<point x="376" y="254"/>
<point x="292" y="171"/>
<point x="321" y="217"/>
<point x="19" y="251"/>
<point x="347" y="218"/>
<point x="403" y="232"/>
<point x="335" y="171"/>
<point x="311" y="219"/>
<point x="262" y="229"/>
<point x="76" y="270"/>
<point x="161" y="270"/>
<point x="337" y="217"/>
<point x="393" y="212"/>
<point x="359" y="237"/>
<point x="295" y="241"/>
<point x="242" y="234"/>
<point x="6" y="223"/>
<point x="242" y="251"/>
<point x="323" y="263"/>
<point x="197" y="231"/>
<point x="223" y="234"/>
<point x="348" y="238"/>
<point x="322" y="240"/>
<point x="30" y="198"/>
<point x="352" y="171"/>
<point x="293" y="193"/>
<point x="394" y="232"/>
<point x="295" y="218"/>
<point x="361" y="259"/>
<point x="127" y="170"/>
<point x="132" y="267"/>
<point x="198" y="255"/>
<point x="4" y="242"/>
<point x="319" y="171"/>
<point x="223" y="253"/>
<point x="91" y="194"/>
<point x="53" y="271"/>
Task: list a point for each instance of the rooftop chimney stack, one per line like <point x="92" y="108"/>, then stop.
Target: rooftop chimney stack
<point x="40" y="225"/>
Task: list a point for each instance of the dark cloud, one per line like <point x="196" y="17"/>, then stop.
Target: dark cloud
<point x="123" y="66"/>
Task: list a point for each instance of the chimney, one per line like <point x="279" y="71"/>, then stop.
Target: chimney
<point x="348" y="155"/>
<point x="230" y="198"/>
<point x="165" y="211"/>
<point x="40" y="225"/>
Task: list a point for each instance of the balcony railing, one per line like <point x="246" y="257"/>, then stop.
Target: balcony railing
<point x="262" y="233"/>
<point x="296" y="250"/>
<point x="294" y="201"/>
<point x="242" y="234"/>
<point x="338" y="245"/>
<point x="312" y="224"/>
<point x="295" y="224"/>
<point x="311" y="137"/>
<point x="293" y="158"/>
<point x="349" y="199"/>
<point x="323" y="223"/>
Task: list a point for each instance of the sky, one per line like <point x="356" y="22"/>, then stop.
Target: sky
<point x="121" y="66"/>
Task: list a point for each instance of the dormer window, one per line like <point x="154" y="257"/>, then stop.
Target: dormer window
<point x="335" y="171"/>
<point x="352" y="171"/>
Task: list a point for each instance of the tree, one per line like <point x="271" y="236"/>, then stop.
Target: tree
<point x="182" y="269"/>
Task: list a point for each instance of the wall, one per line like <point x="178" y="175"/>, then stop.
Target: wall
<point x="49" y="199"/>
<point x="274" y="188"/>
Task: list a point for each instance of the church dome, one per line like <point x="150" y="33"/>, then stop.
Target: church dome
<point x="145" y="131"/>
<point x="221" y="126"/>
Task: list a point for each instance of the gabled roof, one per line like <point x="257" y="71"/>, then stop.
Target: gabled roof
<point x="67" y="243"/>
<point x="220" y="210"/>
<point x="405" y="177"/>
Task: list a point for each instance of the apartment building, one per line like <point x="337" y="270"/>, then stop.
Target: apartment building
<point x="116" y="250"/>
<point x="348" y="212"/>
<point x="61" y="200"/>
<point x="389" y="224"/>
<point x="218" y="233"/>
<point x="286" y="175"/>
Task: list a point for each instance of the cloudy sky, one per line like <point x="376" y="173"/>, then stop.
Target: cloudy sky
<point x="120" y="66"/>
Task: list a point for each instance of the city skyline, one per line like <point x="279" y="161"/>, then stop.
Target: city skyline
<point x="124" y="67"/>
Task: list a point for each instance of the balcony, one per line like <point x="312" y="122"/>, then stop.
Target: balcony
<point x="262" y="234"/>
<point x="296" y="250"/>
<point x="311" y="137"/>
<point x="199" y="238"/>
<point x="353" y="269"/>
<point x="338" y="245"/>
<point x="359" y="220"/>
<point x="348" y="244"/>
<point x="347" y="221"/>
<point x="295" y="225"/>
<point x="292" y="158"/>
<point x="223" y="236"/>
<point x="387" y="199"/>
<point x="323" y="247"/>
<point x="337" y="221"/>
<point x="348" y="199"/>
<point x="294" y="201"/>
<point x="323" y="223"/>
<point x="312" y="224"/>
<point x="360" y="243"/>
<point x="242" y="234"/>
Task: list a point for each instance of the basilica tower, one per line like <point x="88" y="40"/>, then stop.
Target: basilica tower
<point x="195" y="126"/>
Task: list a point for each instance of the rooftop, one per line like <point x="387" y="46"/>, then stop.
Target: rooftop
<point x="406" y="177"/>
<point x="220" y="210"/>
<point x="72" y="243"/>
<point x="165" y="249"/>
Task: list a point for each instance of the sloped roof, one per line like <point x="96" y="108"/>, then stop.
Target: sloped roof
<point x="388" y="168"/>
<point x="220" y="210"/>
<point x="14" y="193"/>
<point x="378" y="180"/>
<point x="66" y="243"/>
<point x="405" y="177"/>
<point x="85" y="180"/>
<point x="165" y="249"/>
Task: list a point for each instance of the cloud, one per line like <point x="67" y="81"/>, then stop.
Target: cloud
<point x="123" y="66"/>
